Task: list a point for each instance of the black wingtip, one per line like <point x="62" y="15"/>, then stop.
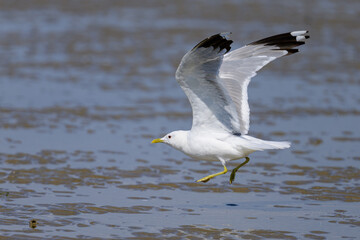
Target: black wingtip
<point x="292" y="51"/>
<point x="286" y="41"/>
<point x="216" y="41"/>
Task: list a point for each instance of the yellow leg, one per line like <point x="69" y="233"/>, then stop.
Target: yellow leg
<point x="233" y="172"/>
<point x="207" y="178"/>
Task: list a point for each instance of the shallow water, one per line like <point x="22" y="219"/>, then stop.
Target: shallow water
<point x="86" y="85"/>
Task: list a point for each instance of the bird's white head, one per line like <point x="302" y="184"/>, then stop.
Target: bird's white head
<point x="176" y="139"/>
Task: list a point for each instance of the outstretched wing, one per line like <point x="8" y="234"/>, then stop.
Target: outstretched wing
<point x="198" y="76"/>
<point x="240" y="65"/>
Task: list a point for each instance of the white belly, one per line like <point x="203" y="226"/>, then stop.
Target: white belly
<point x="213" y="149"/>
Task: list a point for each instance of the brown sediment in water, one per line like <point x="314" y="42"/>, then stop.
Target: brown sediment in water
<point x="85" y="86"/>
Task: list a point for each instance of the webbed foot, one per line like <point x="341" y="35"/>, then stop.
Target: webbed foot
<point x="207" y="178"/>
<point x="233" y="172"/>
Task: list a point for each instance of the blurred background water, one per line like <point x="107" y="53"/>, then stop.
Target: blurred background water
<point x="86" y="85"/>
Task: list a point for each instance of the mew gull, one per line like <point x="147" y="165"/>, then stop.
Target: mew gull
<point x="215" y="82"/>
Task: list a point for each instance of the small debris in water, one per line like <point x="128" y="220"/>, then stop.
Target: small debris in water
<point x="33" y="223"/>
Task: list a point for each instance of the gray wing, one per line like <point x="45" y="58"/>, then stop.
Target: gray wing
<point x="240" y="65"/>
<point x="198" y="75"/>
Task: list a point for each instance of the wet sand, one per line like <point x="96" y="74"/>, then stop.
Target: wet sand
<point x="86" y="85"/>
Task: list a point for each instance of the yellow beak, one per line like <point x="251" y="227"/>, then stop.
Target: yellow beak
<point x="157" y="140"/>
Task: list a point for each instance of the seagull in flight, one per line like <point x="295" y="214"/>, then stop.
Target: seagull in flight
<point x="215" y="81"/>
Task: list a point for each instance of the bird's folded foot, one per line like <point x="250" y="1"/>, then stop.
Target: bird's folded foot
<point x="204" y="179"/>
<point x="207" y="178"/>
<point x="233" y="172"/>
<point x="232" y="175"/>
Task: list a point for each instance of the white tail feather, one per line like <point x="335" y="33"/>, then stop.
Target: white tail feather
<point x="260" y="145"/>
<point x="278" y="145"/>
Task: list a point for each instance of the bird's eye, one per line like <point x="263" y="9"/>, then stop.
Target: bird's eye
<point x="169" y="136"/>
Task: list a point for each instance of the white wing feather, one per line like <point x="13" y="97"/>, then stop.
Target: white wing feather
<point x="212" y="106"/>
<point x="240" y="65"/>
<point x="236" y="72"/>
<point x="216" y="84"/>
